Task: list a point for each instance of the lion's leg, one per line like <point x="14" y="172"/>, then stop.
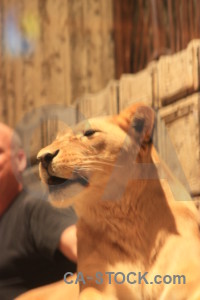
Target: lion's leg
<point x="55" y="291"/>
<point x="195" y="296"/>
<point x="91" y="293"/>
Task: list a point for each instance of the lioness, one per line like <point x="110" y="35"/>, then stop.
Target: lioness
<point x="129" y="220"/>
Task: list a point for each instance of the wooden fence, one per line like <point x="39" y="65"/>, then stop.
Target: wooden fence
<point x="52" y="52"/>
<point x="170" y="85"/>
<point x="147" y="29"/>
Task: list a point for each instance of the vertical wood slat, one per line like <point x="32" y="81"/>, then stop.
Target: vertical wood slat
<point x="26" y="65"/>
<point x="191" y="19"/>
<point x="92" y="50"/>
<point x="107" y="51"/>
<point x="53" y="50"/>
<point x="2" y="103"/>
<point x="127" y="33"/>
<point x="144" y="44"/>
<point x="149" y="41"/>
<point x="156" y="43"/>
<point x="118" y="38"/>
<point x="171" y="25"/>
<point x="8" y="68"/>
<point x="197" y="18"/>
<point x="140" y="29"/>
<point x="77" y="41"/>
<point x="162" y="29"/>
<point x="184" y="23"/>
<point x="136" y="34"/>
<point x="3" y="99"/>
<point x="178" y="26"/>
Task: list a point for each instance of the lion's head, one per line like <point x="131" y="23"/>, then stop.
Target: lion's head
<point x="98" y="155"/>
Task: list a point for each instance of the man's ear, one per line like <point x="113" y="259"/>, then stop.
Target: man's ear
<point x="143" y="123"/>
<point x="21" y="161"/>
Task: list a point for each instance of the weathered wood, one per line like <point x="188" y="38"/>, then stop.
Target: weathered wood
<point x="178" y="74"/>
<point x="92" y="49"/>
<point x="182" y="122"/>
<point x="72" y="53"/>
<point x="99" y="104"/>
<point x="173" y="24"/>
<point x="2" y="103"/>
<point x="171" y="32"/>
<point x="55" y="51"/>
<point x="136" y="88"/>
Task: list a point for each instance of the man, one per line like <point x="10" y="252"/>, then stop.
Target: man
<point x="37" y="241"/>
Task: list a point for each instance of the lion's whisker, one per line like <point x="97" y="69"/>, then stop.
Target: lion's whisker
<point x="103" y="163"/>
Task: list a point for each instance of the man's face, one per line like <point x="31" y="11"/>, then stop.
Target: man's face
<point x="6" y="169"/>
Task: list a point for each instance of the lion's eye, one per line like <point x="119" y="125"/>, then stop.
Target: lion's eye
<point x="89" y="132"/>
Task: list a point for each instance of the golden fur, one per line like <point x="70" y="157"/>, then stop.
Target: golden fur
<point x="130" y="220"/>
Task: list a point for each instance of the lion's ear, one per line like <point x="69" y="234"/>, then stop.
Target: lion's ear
<point x="138" y="124"/>
<point x="143" y="122"/>
<point x="138" y="119"/>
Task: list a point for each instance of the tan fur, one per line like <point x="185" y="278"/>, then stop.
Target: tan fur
<point x="130" y="219"/>
<point x="55" y="291"/>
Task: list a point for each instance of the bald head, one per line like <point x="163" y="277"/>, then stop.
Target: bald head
<point x="9" y="137"/>
<point x="12" y="164"/>
<point x="5" y="134"/>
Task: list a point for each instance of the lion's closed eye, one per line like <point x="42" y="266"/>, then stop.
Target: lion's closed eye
<point x="90" y="132"/>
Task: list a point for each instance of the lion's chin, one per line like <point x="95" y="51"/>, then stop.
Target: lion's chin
<point x="64" y="194"/>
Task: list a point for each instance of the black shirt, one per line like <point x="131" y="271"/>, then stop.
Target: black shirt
<point x="30" y="231"/>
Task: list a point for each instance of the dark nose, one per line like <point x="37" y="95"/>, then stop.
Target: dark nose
<point x="47" y="158"/>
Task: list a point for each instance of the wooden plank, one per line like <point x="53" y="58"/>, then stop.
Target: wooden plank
<point x="182" y="122"/>
<point x="197" y="19"/>
<point x="178" y="29"/>
<point x="136" y="88"/>
<point x="99" y="104"/>
<point x="32" y="63"/>
<point x="171" y="25"/>
<point x="156" y="42"/>
<point x="2" y="94"/>
<point x="108" y="48"/>
<point x="118" y="38"/>
<point x="137" y="35"/>
<point x="146" y="39"/>
<point x="184" y="24"/>
<point x="10" y="17"/>
<point x="177" y="74"/>
<point x="191" y="20"/>
<point x="128" y="32"/>
<point x="55" y="51"/>
<point x="92" y="48"/>
<point x="162" y="27"/>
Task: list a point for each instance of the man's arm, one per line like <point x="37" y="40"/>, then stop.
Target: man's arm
<point x="68" y="243"/>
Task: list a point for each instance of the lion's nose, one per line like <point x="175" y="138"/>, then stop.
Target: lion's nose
<point x="46" y="158"/>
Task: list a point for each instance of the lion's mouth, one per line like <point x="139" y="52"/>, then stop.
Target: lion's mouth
<point x="59" y="182"/>
<point x="53" y="180"/>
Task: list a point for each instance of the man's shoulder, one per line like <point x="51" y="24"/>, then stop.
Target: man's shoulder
<point x="27" y="198"/>
<point x="38" y="204"/>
